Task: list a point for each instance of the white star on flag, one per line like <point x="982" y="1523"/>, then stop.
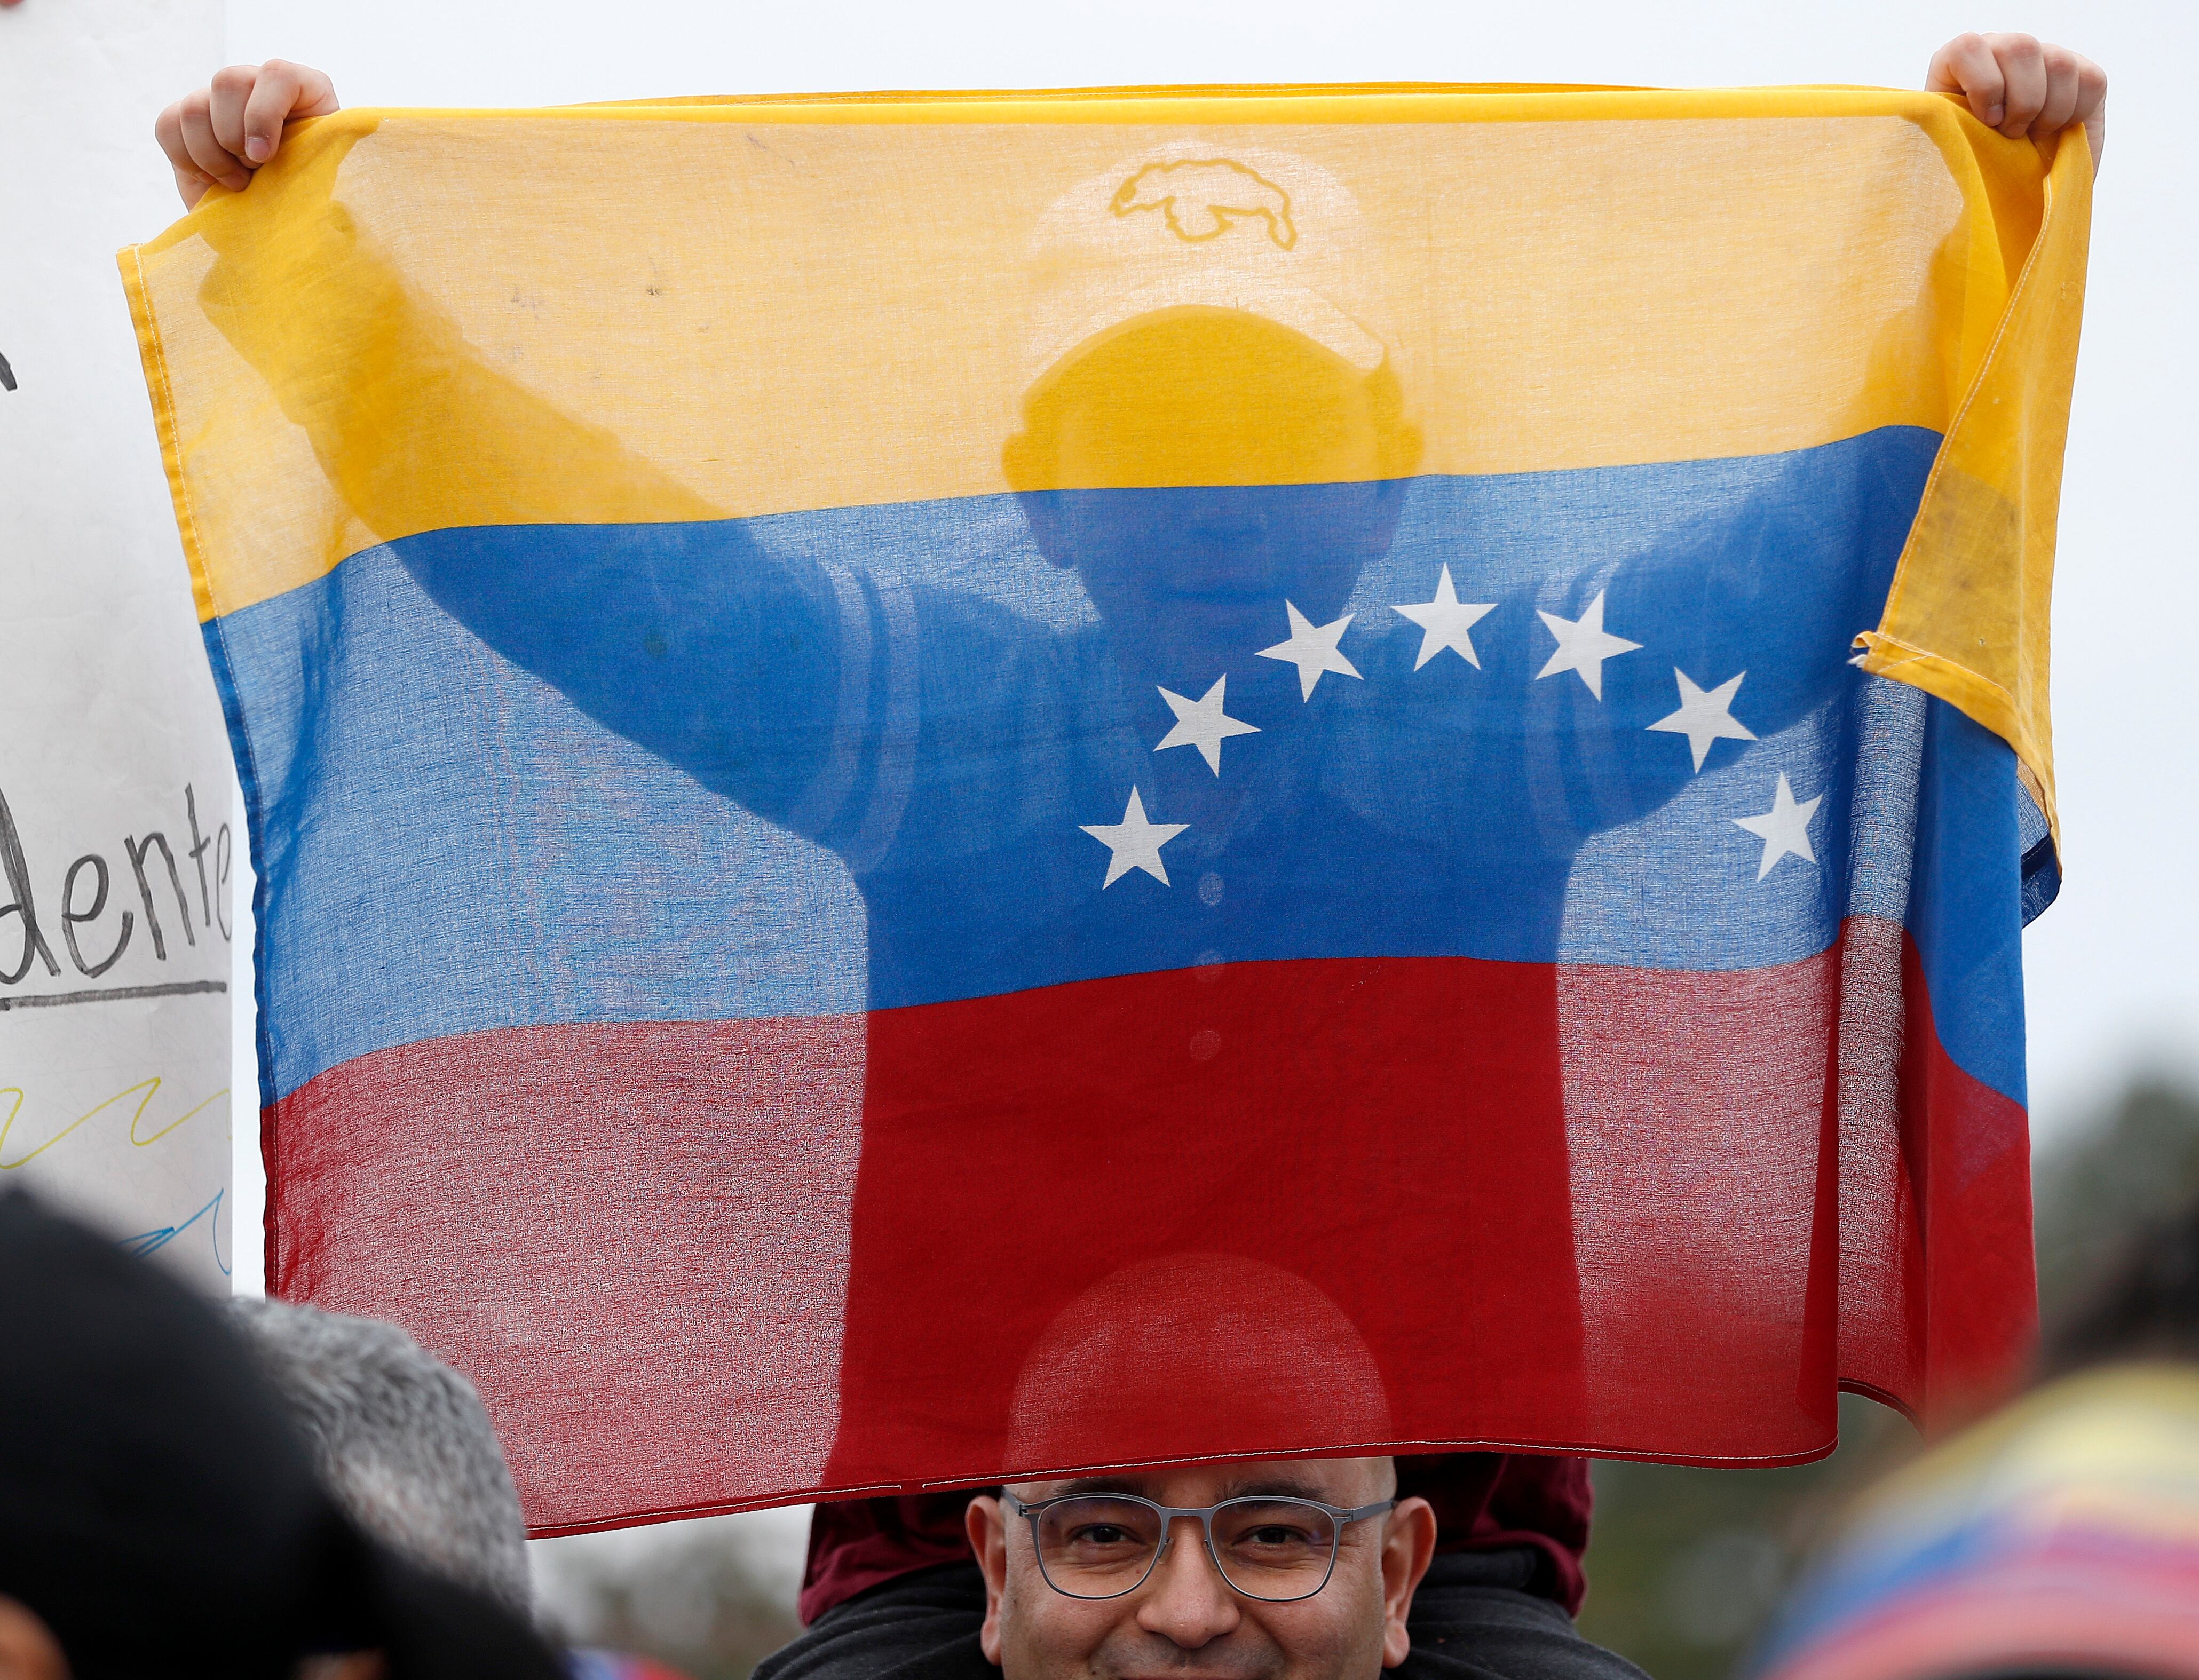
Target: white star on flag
<point x="1784" y="828"/>
<point x="1445" y="623"/>
<point x="1704" y="717"/>
<point x="1202" y="723"/>
<point x="1312" y="649"/>
<point x="1582" y="647"/>
<point x="1134" y="843"/>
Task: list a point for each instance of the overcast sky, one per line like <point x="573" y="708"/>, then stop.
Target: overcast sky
<point x="2113" y="984"/>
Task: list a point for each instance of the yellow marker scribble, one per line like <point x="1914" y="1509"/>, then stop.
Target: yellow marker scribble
<point x="172" y="1125"/>
<point x="147" y="1086"/>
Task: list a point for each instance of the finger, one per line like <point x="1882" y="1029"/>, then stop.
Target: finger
<point x="226" y="100"/>
<point x="2091" y="89"/>
<point x="261" y="123"/>
<point x="168" y="131"/>
<point x="2059" y="108"/>
<point x="2023" y="67"/>
<point x="317" y="94"/>
<point x="1966" y="65"/>
<point x="190" y="187"/>
<point x="207" y="154"/>
<point x="2092" y="105"/>
<point x="284" y="90"/>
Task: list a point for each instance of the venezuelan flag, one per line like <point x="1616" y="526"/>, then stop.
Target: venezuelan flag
<point x="952" y="785"/>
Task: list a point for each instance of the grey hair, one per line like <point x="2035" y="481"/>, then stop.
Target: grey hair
<point x="402" y="1441"/>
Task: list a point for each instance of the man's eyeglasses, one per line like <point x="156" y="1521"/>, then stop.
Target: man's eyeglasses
<point x="1102" y="1545"/>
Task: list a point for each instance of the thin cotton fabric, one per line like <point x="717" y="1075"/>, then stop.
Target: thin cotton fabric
<point x="956" y="785"/>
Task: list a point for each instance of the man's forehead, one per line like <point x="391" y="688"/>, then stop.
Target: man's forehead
<point x="1327" y="1479"/>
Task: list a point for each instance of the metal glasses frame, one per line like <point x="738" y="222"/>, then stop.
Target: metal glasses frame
<point x="1342" y="1516"/>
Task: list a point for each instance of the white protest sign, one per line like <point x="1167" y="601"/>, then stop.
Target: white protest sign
<point x="118" y="846"/>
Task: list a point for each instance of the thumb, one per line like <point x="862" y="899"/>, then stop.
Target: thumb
<point x="283" y="90"/>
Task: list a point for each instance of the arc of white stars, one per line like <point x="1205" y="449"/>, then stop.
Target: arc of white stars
<point x="1134" y="843"/>
<point x="1312" y="649"/>
<point x="1784" y="829"/>
<point x="1706" y="716"/>
<point x="1445" y="623"/>
<point x="1584" y="645"/>
<point x="1202" y="724"/>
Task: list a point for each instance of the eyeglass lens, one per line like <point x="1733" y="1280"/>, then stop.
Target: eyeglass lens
<point x="1098" y="1547"/>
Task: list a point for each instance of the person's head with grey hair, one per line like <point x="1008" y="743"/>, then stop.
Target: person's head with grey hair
<point x="402" y="1441"/>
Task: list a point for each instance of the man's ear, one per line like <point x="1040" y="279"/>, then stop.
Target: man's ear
<point x="1409" y="1545"/>
<point x="987" y="1524"/>
<point x="28" y="1649"/>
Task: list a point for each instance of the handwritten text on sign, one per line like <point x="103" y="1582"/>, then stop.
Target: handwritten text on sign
<point x="130" y="907"/>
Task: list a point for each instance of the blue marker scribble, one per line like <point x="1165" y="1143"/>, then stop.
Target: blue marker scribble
<point x="146" y="1241"/>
